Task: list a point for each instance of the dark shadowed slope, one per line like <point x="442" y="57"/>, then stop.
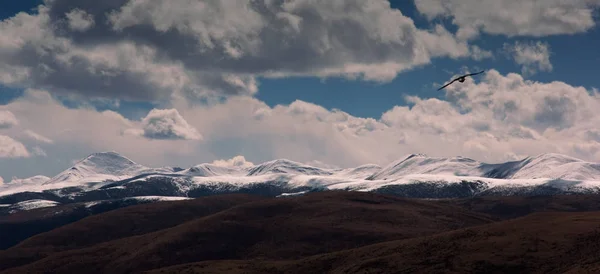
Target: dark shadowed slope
<point x="133" y="220"/>
<point x="555" y="242"/>
<point x="508" y="207"/>
<point x="274" y="229"/>
<point x="22" y="225"/>
<point x="18" y="226"/>
<point x="325" y="232"/>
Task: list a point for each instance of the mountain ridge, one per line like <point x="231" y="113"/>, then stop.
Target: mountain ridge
<point x="110" y="175"/>
<point x="123" y="166"/>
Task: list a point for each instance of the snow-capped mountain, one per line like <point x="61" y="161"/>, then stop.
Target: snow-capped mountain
<point x="288" y="167"/>
<point x="422" y="164"/>
<point x="109" y="175"/>
<point x="360" y="172"/>
<point x="557" y="166"/>
<point x="208" y="170"/>
<point x="98" y="167"/>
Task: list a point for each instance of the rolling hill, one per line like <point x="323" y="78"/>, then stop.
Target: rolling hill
<point x="323" y="232"/>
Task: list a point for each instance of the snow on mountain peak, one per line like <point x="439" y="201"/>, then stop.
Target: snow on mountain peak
<point x="207" y="170"/>
<point x="108" y="163"/>
<point x="99" y="166"/>
<point x="286" y="166"/>
<point x="554" y="157"/>
<point x="360" y="172"/>
<point x="423" y="164"/>
<point x="557" y="166"/>
<point x="100" y="169"/>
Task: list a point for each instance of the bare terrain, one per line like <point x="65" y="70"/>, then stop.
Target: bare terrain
<point x="320" y="232"/>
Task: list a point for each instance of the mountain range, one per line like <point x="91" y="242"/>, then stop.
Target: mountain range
<point x="109" y="176"/>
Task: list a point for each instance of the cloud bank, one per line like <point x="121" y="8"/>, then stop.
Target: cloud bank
<point x="512" y="18"/>
<point x="503" y="117"/>
<point x="533" y="57"/>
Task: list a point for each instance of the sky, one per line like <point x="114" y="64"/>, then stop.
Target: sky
<point x="327" y="83"/>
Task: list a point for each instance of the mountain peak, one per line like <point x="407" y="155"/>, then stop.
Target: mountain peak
<point x="286" y="166"/>
<point x="109" y="162"/>
<point x="106" y="155"/>
<point x="100" y="165"/>
<point x="422" y="164"/>
<point x="416" y="155"/>
<point x="555" y="157"/>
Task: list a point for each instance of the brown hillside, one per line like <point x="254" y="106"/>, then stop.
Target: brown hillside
<point x="112" y="225"/>
<point x="539" y="243"/>
<point x="508" y="207"/>
<point x="274" y="229"/>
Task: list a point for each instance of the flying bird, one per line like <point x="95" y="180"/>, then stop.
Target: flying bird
<point x="461" y="79"/>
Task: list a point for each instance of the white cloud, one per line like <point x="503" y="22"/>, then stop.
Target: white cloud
<point x="7" y="119"/>
<point x="80" y="20"/>
<point x="166" y="124"/>
<point x="11" y="148"/>
<point x="440" y="42"/>
<point x="479" y="54"/>
<point x="208" y="48"/>
<point x="531" y="56"/>
<point x="501" y="118"/>
<point x="513" y="17"/>
<point x="237" y="161"/>
<point x="37" y="137"/>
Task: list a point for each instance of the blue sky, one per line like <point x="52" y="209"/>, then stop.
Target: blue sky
<point x="544" y="48"/>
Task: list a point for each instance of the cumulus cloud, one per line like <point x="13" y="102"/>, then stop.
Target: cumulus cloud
<point x="166" y="124"/>
<point x="148" y="50"/>
<point x="440" y="42"/>
<point x="531" y="56"/>
<point x="79" y="20"/>
<point x="513" y="17"/>
<point x="11" y="148"/>
<point x="7" y="119"/>
<point x="478" y="53"/>
<point x="237" y="161"/>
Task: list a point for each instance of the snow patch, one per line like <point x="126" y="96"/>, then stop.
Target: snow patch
<point x="158" y="198"/>
<point x="292" y="194"/>
<point x="33" y="204"/>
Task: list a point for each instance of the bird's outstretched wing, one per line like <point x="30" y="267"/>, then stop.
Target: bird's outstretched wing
<point x="471" y="74"/>
<point x="463" y="76"/>
<point x="448" y="83"/>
